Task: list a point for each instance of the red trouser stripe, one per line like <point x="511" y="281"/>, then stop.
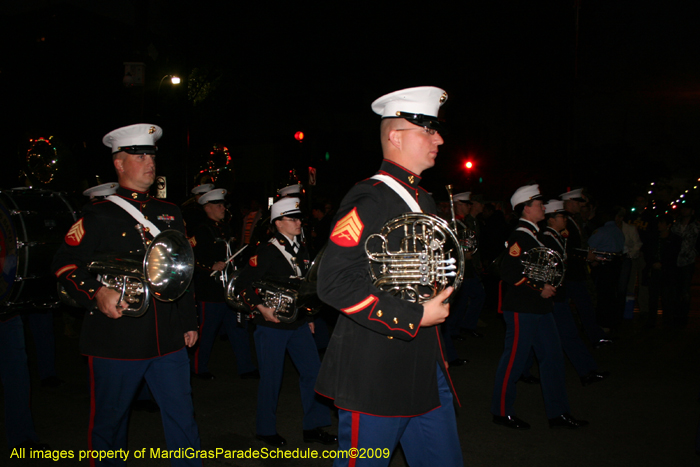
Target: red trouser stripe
<point x="513" y="351"/>
<point x="354" y="441"/>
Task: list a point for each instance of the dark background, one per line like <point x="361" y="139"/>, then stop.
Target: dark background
<point x="596" y="93"/>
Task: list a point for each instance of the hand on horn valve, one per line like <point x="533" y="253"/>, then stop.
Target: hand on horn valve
<point x="107" y="302"/>
<point x="435" y="311"/>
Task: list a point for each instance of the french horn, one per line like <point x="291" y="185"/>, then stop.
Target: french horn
<point x="415" y="256"/>
<point x="164" y="273"/>
<point x="544" y="265"/>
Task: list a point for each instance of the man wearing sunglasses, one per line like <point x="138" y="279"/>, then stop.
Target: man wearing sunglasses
<point x="384" y="367"/>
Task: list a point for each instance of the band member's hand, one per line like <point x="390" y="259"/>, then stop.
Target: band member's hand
<point x="548" y="291"/>
<point x="268" y="313"/>
<point x="191" y="338"/>
<point x="107" y="302"/>
<point x="434" y="311"/>
<point x="218" y="266"/>
<point x="312" y="326"/>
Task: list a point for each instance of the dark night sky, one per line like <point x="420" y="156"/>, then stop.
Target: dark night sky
<point x="514" y="105"/>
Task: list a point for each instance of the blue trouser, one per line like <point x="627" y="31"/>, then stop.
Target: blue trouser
<point x="427" y="440"/>
<point x="578" y="292"/>
<point x="113" y="386"/>
<point x="211" y="317"/>
<point x="271" y="345"/>
<point x="464" y="313"/>
<point x="19" y="426"/>
<point x="40" y="324"/>
<point x="571" y="342"/>
<point x="525" y="331"/>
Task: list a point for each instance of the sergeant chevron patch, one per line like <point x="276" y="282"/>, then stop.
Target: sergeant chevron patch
<point x="253" y="261"/>
<point x="514" y="250"/>
<point x="75" y="234"/>
<point x="348" y="230"/>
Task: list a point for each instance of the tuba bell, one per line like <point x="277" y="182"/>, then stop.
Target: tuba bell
<point x="428" y="257"/>
<point x="544" y="264"/>
<point x="164" y="273"/>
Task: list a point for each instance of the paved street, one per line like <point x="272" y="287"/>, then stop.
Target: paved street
<point x="645" y="414"/>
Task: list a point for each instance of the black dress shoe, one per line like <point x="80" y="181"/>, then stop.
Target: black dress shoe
<point x="255" y="374"/>
<point x="530" y="379"/>
<point x="511" y="421"/>
<point x="317" y="435"/>
<point x="594" y="377"/>
<point x="273" y="440"/>
<point x="458" y="362"/>
<point x="472" y="333"/>
<point x="603" y="342"/>
<point x="566" y="421"/>
<point x="205" y="375"/>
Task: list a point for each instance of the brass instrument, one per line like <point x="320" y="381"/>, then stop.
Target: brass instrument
<point x="286" y="297"/>
<point x="602" y="256"/>
<point x="164" y="272"/>
<point x="429" y="257"/>
<point x="545" y="265"/>
<point x="466" y="236"/>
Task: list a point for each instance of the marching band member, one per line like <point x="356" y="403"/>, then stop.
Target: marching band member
<point x="122" y="351"/>
<point x="281" y="258"/>
<point x="574" y="348"/>
<point x="211" y="240"/>
<point x="384" y="367"/>
<point x="530" y="325"/>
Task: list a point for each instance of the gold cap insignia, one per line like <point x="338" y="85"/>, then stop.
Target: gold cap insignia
<point x="296" y="205"/>
<point x="151" y="130"/>
<point x="443" y="98"/>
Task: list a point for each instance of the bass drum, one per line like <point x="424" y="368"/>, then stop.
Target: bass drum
<point x="32" y="226"/>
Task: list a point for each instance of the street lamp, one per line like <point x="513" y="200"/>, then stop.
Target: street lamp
<point x="173" y="79"/>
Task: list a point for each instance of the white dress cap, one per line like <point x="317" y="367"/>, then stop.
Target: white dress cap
<point x="464" y="197"/>
<point x="105" y="189"/>
<point x="217" y="194"/>
<point x="553" y="205"/>
<point x="420" y="104"/>
<point x="576" y="195"/>
<point x="524" y="194"/>
<point x="285" y="207"/>
<point x="203" y="188"/>
<point x="141" y="134"/>
<point x="289" y="190"/>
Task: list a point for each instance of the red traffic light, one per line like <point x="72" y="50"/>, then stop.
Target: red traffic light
<point x="469" y="165"/>
<point x="299" y="135"/>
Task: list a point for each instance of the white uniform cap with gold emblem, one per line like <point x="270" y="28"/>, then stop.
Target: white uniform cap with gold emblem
<point x="525" y="194"/>
<point x="105" y="189"/>
<point x="553" y="206"/>
<point x="213" y="196"/>
<point x="203" y="188"/>
<point x="575" y="195"/>
<point x="290" y="190"/>
<point x="288" y="207"/>
<point x="419" y="105"/>
<point x="463" y="197"/>
<point x="134" y="139"/>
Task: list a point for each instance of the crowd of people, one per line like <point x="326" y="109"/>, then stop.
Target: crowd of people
<point x="379" y="356"/>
